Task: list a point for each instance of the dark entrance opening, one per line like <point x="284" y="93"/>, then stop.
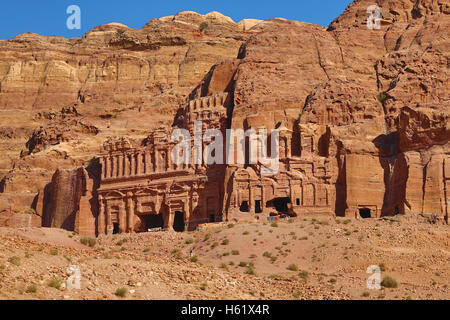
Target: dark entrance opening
<point x="244" y="206"/>
<point x="298" y="201"/>
<point x="153" y="221"/>
<point x="115" y="228"/>
<point x="364" y="213"/>
<point x="212" y="218"/>
<point x="258" y="208"/>
<point x="281" y="204"/>
<point x="178" y="222"/>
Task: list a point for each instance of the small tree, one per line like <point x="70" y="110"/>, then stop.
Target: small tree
<point x="203" y="26"/>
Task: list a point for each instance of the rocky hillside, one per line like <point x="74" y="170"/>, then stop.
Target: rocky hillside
<point x="60" y="98"/>
<point x="308" y="258"/>
<point x="377" y="101"/>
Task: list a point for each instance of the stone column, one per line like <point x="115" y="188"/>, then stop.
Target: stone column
<point x="113" y="167"/>
<point x="171" y="219"/>
<point x="120" y="171"/>
<point x="133" y="164"/>
<point x="157" y="166"/>
<point x="122" y="218"/>
<point x="263" y="198"/>
<point x="130" y="212"/>
<point x="147" y="162"/>
<point x="139" y="163"/>
<point x="101" y="216"/>
<point x="251" y="200"/>
<point x="107" y="166"/>
<point x="288" y="147"/>
<point x="102" y="163"/>
<point x="109" y="225"/>
<point x="187" y="213"/>
<point x="127" y="166"/>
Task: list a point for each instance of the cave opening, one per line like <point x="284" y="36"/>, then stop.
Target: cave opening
<point x="153" y="221"/>
<point x="178" y="222"/>
<point x="115" y="228"/>
<point x="244" y="207"/>
<point x="281" y="204"/>
<point x="365" y="213"/>
<point x="258" y="208"/>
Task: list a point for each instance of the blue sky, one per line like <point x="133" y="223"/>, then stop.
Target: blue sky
<point x="48" y="17"/>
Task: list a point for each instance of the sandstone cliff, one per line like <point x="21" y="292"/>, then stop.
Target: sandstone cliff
<point x="375" y="101"/>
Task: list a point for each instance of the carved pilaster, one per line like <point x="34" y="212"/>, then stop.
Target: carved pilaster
<point x="251" y="200"/>
<point x="139" y="164"/>
<point x="109" y="225"/>
<point x="103" y="164"/>
<point x="108" y="166"/>
<point x="127" y="166"/>
<point x="147" y="160"/>
<point x="101" y="216"/>
<point x="122" y="218"/>
<point x="120" y="169"/>
<point x="133" y="164"/>
<point x="130" y="212"/>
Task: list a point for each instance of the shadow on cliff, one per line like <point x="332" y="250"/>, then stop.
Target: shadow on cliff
<point x="395" y="167"/>
<point x="61" y="200"/>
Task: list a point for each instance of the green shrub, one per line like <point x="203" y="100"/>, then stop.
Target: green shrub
<point x="274" y="225"/>
<point x="121" y="292"/>
<point x="235" y="252"/>
<point x="389" y="282"/>
<point x="225" y="242"/>
<point x="203" y="26"/>
<point x="54" y="252"/>
<point x="122" y="241"/>
<point x="250" y="270"/>
<point x="365" y="294"/>
<point x="55" y="283"/>
<point x="382" y="97"/>
<point x="292" y="267"/>
<point x="243" y="264"/>
<point x="189" y="241"/>
<point x="91" y="242"/>
<point x="304" y="275"/>
<point x="193" y="259"/>
<point x="32" y="288"/>
<point x="147" y="250"/>
<point x="204" y="286"/>
<point x="14" y="260"/>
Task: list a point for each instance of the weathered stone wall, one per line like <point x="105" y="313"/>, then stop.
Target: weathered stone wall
<point x="68" y="202"/>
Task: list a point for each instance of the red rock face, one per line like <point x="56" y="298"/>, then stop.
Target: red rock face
<point x="366" y="109"/>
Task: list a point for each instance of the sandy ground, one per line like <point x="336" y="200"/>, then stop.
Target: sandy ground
<point x="303" y="258"/>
